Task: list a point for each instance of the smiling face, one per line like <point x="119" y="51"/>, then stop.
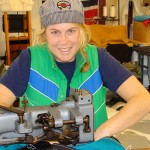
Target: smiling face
<point x="63" y="41"/>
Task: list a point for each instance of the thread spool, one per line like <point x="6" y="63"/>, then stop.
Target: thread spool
<point x="105" y="11"/>
<point x="112" y="11"/>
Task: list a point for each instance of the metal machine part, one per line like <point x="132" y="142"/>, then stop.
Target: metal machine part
<point x="69" y="122"/>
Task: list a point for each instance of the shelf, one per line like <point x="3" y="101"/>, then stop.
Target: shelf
<point x="99" y="20"/>
<point x="20" y="38"/>
<point x="16" y="43"/>
<point x="106" y="19"/>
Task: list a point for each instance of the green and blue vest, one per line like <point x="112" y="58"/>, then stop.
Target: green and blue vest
<point x="47" y="83"/>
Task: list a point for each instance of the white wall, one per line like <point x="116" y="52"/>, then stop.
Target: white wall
<point x="137" y="8"/>
<point x="36" y="26"/>
<point x="2" y="38"/>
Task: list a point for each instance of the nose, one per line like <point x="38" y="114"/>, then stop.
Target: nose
<point x="63" y="38"/>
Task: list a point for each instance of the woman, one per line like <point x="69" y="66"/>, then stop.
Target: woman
<point x="64" y="60"/>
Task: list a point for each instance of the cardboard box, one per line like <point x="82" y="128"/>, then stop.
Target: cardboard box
<point x="141" y="32"/>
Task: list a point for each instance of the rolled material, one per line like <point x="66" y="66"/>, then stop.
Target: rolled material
<point x="105" y="11"/>
<point x="112" y="11"/>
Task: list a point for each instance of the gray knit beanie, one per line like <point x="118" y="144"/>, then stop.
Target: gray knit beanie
<point x="61" y="11"/>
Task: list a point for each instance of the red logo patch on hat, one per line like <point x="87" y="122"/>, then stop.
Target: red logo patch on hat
<point x="63" y="5"/>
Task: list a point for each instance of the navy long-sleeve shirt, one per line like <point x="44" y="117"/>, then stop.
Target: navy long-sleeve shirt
<point x="112" y="72"/>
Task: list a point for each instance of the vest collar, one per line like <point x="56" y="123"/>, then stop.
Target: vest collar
<point x="80" y="60"/>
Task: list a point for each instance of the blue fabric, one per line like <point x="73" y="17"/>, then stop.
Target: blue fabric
<point x="94" y="80"/>
<point x="42" y="88"/>
<point x="141" y="18"/>
<point x="102" y="144"/>
<point x="12" y="147"/>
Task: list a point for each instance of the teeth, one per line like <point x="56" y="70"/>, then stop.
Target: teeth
<point x="64" y="49"/>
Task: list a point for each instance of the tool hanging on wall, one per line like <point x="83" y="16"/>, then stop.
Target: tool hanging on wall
<point x="146" y="2"/>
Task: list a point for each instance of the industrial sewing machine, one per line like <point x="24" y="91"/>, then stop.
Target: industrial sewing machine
<point x="69" y="122"/>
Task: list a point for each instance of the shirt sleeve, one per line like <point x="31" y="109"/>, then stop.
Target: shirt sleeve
<point x="112" y="72"/>
<point x="17" y="76"/>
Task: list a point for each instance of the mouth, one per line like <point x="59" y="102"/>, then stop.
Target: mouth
<point x="64" y="50"/>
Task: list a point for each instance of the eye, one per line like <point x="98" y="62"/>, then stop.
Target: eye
<point x="71" y="30"/>
<point x="55" y="32"/>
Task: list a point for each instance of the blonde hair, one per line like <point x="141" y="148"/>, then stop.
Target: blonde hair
<point x="85" y="36"/>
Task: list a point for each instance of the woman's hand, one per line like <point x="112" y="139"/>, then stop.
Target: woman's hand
<point x="137" y="107"/>
<point x="101" y="132"/>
